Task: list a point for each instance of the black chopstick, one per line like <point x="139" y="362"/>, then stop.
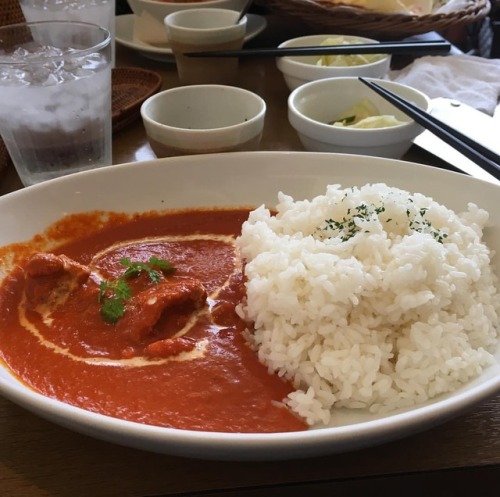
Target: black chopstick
<point x="396" y="48"/>
<point x="479" y="154"/>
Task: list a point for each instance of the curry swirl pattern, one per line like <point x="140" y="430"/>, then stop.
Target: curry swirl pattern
<point x="176" y="357"/>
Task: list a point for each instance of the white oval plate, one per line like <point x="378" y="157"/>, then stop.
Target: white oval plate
<point x="246" y="178"/>
<point x="124" y="29"/>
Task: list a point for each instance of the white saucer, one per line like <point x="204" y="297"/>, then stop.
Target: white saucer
<point x="124" y="27"/>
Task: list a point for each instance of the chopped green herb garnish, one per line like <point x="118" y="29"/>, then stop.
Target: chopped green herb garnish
<point x="345" y="120"/>
<point x="348" y="226"/>
<point x="114" y="294"/>
<point x="421" y="225"/>
<point x="135" y="268"/>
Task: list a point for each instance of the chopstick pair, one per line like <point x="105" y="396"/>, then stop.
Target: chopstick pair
<point x="479" y="154"/>
<point x="433" y="47"/>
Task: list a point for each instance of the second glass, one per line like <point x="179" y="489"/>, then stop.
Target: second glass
<point x="100" y="12"/>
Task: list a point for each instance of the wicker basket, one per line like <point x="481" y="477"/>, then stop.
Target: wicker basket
<point x="10" y="12"/>
<point x="348" y="20"/>
<point x="131" y="86"/>
<point x="5" y="160"/>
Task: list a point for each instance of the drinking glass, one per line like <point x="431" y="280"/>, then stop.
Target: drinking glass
<point x="55" y="89"/>
<point x="100" y="12"/>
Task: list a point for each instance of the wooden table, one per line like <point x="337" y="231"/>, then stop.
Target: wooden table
<point x="38" y="458"/>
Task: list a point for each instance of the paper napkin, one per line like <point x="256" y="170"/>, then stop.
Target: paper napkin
<point x="472" y="80"/>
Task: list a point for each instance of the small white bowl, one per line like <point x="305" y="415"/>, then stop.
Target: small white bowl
<point x="200" y="119"/>
<point x="149" y="16"/>
<point x="298" y="70"/>
<point x="159" y="10"/>
<point x="313" y="105"/>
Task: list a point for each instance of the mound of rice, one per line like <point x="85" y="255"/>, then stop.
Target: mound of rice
<point x="369" y="297"/>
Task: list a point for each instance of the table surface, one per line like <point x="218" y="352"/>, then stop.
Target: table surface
<point x="38" y="458"/>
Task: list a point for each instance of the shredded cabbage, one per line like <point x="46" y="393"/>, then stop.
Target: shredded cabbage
<point x="346" y="60"/>
<point x="365" y="115"/>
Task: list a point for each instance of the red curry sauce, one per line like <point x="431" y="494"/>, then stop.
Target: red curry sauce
<point x="187" y="366"/>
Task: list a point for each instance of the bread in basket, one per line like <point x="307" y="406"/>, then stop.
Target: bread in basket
<point x="361" y="17"/>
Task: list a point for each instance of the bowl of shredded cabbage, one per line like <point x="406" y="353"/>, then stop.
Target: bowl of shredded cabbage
<point x="343" y="115"/>
<point x="301" y="69"/>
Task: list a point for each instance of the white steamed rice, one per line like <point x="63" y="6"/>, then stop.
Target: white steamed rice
<point x="389" y="304"/>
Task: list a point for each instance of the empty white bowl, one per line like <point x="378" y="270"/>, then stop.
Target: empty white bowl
<point x="312" y="106"/>
<point x="298" y="70"/>
<point x="199" y="119"/>
<point x="159" y="9"/>
<point x="150" y="14"/>
<point x="162" y="8"/>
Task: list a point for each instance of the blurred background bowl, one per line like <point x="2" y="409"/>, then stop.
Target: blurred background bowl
<point x="312" y="106"/>
<point x="149" y="16"/>
<point x="159" y="10"/>
<point x="298" y="70"/>
<point x="200" y="119"/>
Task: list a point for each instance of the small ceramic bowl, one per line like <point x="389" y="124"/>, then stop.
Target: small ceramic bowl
<point x="312" y="106"/>
<point x="159" y="9"/>
<point x="204" y="30"/>
<point x="149" y="15"/>
<point x="298" y="70"/>
<point x="200" y="119"/>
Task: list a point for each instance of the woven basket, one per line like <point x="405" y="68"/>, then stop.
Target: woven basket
<point x="348" y="20"/>
<point x="131" y="86"/>
<point x="5" y="160"/>
<point x="10" y="12"/>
